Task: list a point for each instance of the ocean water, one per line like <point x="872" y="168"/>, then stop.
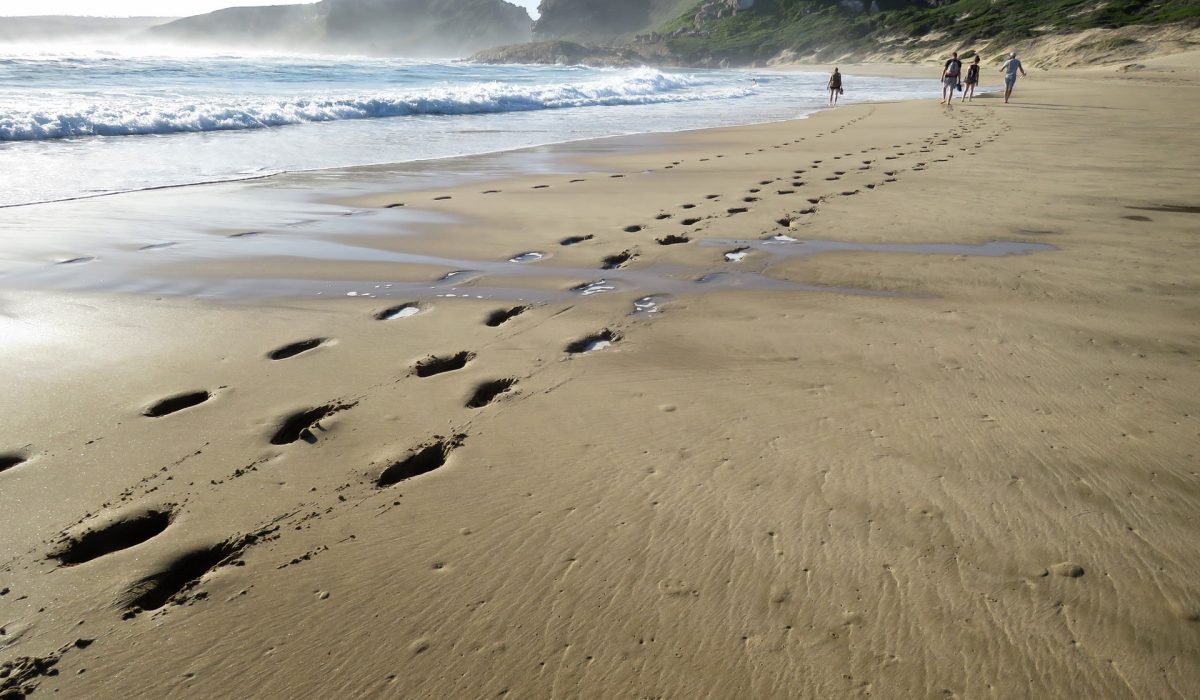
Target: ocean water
<point x="97" y="122"/>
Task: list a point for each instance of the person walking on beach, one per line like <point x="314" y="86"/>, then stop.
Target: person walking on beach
<point x="972" y="80"/>
<point x="950" y="75"/>
<point x="1010" y="68"/>
<point x="835" y="87"/>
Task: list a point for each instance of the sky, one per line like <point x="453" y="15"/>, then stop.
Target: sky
<point x="128" y="8"/>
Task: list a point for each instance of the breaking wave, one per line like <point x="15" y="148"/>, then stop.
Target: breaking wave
<point x="142" y="115"/>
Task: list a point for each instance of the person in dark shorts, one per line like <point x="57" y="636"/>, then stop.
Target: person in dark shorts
<point x="971" y="81"/>
<point x="835" y="87"/>
<point x="950" y="79"/>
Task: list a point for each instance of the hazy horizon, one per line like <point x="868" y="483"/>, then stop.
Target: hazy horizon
<point x="153" y="8"/>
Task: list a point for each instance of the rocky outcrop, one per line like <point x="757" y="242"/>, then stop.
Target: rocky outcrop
<point x="588" y="20"/>
<point x="440" y="28"/>
<point x="563" y="53"/>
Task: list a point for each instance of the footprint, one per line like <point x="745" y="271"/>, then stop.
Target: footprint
<point x="487" y="392"/>
<point x="662" y="217"/>
<point x="736" y="255"/>
<point x="616" y="176"/>
<point x="531" y="256"/>
<point x="634" y="228"/>
<point x="289" y="351"/>
<point x="433" y="365"/>
<point x="687" y="206"/>
<point x="442" y="198"/>
<point x="587" y="289"/>
<point x="540" y="187"/>
<point x="299" y="426"/>
<point x="578" y="179"/>
<point x="183" y="574"/>
<point x="786" y="192"/>
<point x="127" y="531"/>
<point x="690" y="222"/>
<point x="176" y="403"/>
<point x="158" y="246"/>
<point x="737" y="210"/>
<point x="502" y="316"/>
<point x="572" y="240"/>
<point x="422" y="461"/>
<point x="397" y="205"/>
<point x="76" y="261"/>
<point x="400" y="311"/>
<point x="749" y="199"/>
<point x="594" y="342"/>
<point x="491" y="192"/>
<point x="245" y="234"/>
<point x="712" y="196"/>
<point x="612" y="262"/>
<point x="672" y="239"/>
<point x="10" y="460"/>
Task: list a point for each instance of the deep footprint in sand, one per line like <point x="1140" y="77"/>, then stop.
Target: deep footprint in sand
<point x="673" y="239"/>
<point x="613" y="262"/>
<point x="434" y="365"/>
<point x="174" y="404"/>
<point x="127" y="531"/>
<point x="594" y="342"/>
<point x="634" y="228"/>
<point x="10" y="460"/>
<point x="182" y="575"/>
<point x="501" y="316"/>
<point x="302" y="424"/>
<point x="399" y="311"/>
<point x="293" y="349"/>
<point x="422" y="461"/>
<point x="531" y="256"/>
<point x="572" y="240"/>
<point x="487" y="392"/>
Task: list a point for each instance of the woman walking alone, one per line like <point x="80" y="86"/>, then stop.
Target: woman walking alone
<point x="835" y="87"/>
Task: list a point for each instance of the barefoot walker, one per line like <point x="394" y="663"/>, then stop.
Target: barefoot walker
<point x="835" y="87"/>
<point x="971" y="81"/>
<point x="1010" y="68"/>
<point x="950" y="78"/>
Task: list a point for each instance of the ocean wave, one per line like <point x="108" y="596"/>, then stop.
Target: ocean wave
<point x="152" y="115"/>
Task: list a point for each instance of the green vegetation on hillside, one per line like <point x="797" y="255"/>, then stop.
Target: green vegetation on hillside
<point x="831" y="28"/>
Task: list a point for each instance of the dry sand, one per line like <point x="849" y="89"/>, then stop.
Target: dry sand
<point x="980" y="481"/>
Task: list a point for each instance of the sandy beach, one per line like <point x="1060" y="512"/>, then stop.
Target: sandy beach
<point x="911" y="411"/>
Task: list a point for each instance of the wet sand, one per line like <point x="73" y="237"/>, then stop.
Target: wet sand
<point x="930" y="431"/>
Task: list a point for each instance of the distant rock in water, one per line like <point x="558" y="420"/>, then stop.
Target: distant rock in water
<point x="563" y="53"/>
<point x="441" y="28"/>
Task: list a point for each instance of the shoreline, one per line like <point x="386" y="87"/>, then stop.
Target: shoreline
<point x="974" y="479"/>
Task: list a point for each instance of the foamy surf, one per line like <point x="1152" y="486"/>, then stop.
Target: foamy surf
<point x="139" y="115"/>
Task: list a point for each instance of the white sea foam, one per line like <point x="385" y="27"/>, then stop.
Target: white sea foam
<point x="129" y="115"/>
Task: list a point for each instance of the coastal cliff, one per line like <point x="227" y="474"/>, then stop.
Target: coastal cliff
<point x="758" y="32"/>
<point x="372" y="27"/>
